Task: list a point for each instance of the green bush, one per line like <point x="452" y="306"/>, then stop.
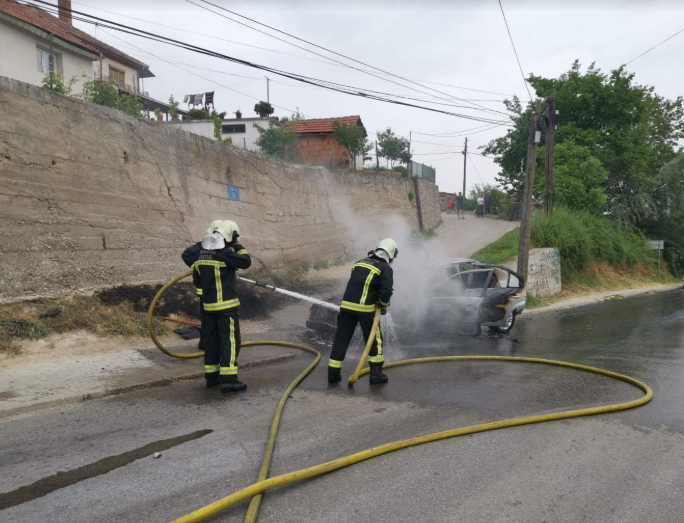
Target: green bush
<point x="469" y="205"/>
<point x="321" y="264"/>
<point x="582" y="237"/>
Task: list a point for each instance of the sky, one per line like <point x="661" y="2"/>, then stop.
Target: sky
<point x="456" y="49"/>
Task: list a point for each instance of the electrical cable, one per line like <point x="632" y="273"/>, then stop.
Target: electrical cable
<point x="330" y="51"/>
<point x="657" y="45"/>
<point x="514" y="50"/>
<point x="200" y="76"/>
<point x="301" y="78"/>
<point x="475" y="167"/>
<point x="327" y="61"/>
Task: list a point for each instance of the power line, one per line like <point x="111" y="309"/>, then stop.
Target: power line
<point x="426" y="154"/>
<point x="657" y="45"/>
<point x="475" y="167"/>
<point x="301" y="78"/>
<point x="514" y="50"/>
<point x="330" y="51"/>
<point x="326" y="61"/>
<point x="200" y="76"/>
<point x="468" y="132"/>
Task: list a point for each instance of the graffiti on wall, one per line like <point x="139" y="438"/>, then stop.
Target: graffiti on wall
<point x="544" y="272"/>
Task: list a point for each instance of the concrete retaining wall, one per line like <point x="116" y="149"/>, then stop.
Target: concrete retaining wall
<point x="90" y="197"/>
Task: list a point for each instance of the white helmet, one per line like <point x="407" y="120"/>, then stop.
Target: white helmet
<point x="229" y="230"/>
<point x="214" y="225"/>
<point x="390" y="247"/>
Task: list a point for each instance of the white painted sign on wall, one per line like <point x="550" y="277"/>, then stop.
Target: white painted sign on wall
<point x="544" y="272"/>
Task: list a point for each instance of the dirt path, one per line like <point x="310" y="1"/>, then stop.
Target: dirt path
<point x="461" y="238"/>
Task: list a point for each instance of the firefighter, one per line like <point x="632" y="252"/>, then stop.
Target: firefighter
<point x="189" y="256"/>
<point x="369" y="287"/>
<point x="215" y="265"/>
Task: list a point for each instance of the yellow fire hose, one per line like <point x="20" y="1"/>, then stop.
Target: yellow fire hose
<point x="263" y="483"/>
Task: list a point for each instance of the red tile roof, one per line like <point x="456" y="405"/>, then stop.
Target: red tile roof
<point x="64" y="31"/>
<point x="325" y="125"/>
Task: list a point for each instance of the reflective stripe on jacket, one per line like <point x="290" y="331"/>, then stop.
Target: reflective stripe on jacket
<point x="214" y="274"/>
<point x="370" y="283"/>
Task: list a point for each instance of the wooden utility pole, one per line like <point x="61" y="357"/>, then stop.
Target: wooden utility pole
<point x="409" y="166"/>
<point x="548" y="160"/>
<point x="524" y="247"/>
<point x="465" y="164"/>
<point x="377" y="158"/>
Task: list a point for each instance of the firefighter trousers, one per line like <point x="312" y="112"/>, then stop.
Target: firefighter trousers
<point x="346" y="324"/>
<point x="221" y="331"/>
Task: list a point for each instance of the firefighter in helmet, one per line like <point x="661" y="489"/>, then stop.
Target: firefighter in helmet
<point x="369" y="287"/>
<point x="214" y="272"/>
<point x="189" y="256"/>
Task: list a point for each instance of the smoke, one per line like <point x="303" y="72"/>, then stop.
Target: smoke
<point x="361" y="232"/>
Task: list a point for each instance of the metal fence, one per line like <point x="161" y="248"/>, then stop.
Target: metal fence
<point x="419" y="170"/>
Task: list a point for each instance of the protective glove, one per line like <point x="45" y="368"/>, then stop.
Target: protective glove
<point x="383" y="311"/>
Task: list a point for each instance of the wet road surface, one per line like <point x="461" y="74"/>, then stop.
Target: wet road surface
<point x="96" y="457"/>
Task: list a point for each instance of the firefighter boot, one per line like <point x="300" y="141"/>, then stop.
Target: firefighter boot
<point x="233" y="385"/>
<point x="334" y="375"/>
<point x="212" y="381"/>
<point x="376" y="375"/>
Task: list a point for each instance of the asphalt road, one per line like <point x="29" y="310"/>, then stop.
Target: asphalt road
<point x="620" y="467"/>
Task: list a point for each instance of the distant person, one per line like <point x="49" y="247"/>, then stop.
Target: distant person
<point x="450" y="205"/>
<point x="515" y="206"/>
<point x="479" y="213"/>
<point x="488" y="203"/>
<point x="460" y="204"/>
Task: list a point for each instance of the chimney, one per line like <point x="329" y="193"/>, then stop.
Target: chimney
<point x="65" y="11"/>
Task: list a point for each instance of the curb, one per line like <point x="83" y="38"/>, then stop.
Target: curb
<point x="161" y="382"/>
<point x="588" y="301"/>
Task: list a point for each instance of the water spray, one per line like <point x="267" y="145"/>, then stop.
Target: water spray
<point x="292" y="294"/>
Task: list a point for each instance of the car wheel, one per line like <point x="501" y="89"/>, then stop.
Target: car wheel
<point x="510" y="321"/>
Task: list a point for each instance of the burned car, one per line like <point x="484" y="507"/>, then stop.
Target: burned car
<point x="462" y="295"/>
<point x="453" y="296"/>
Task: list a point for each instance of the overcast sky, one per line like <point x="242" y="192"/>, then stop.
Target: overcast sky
<point x="459" y="43"/>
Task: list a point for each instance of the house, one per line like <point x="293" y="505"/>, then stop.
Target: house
<point x="34" y="43"/>
<point x="316" y="144"/>
<point x="240" y="130"/>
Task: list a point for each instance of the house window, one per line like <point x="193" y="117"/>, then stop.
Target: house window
<point x="45" y="61"/>
<point x="232" y="129"/>
<point x="117" y="75"/>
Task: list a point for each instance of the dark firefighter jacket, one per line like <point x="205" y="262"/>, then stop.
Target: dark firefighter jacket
<point x="214" y="274"/>
<point x="370" y="283"/>
<point x="189" y="256"/>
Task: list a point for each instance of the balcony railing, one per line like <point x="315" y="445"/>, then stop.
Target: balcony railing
<point x="129" y="88"/>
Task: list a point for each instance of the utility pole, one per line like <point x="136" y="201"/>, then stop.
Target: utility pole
<point x="268" y="89"/>
<point x="548" y="160"/>
<point x="465" y="164"/>
<point x="533" y="139"/>
<point x="377" y="158"/>
<point x="410" y="163"/>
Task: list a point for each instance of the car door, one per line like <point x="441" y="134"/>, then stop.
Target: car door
<point x="454" y="301"/>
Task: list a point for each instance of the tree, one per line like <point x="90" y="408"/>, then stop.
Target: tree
<point x="667" y="221"/>
<point x="579" y="178"/>
<point x="393" y="148"/>
<point x="218" y="130"/>
<point x="263" y="109"/>
<point x="627" y="128"/>
<point x="55" y="82"/>
<point x="107" y="94"/>
<point x="277" y="141"/>
<point x="353" y="138"/>
<point x="297" y="116"/>
<point x="173" y="108"/>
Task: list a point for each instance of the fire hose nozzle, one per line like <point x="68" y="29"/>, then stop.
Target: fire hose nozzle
<point x="264" y="285"/>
